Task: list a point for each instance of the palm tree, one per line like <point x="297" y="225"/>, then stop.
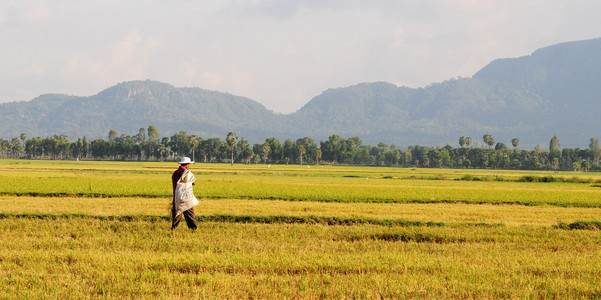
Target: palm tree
<point x="301" y="152"/>
<point x="231" y="139"/>
<point x="265" y="150"/>
<point x="515" y="142"/>
<point x="468" y="141"/>
<point x="317" y="156"/>
<point x="489" y="140"/>
<point x="462" y="141"/>
<point x="194" y="143"/>
<point x="23" y="138"/>
<point x="595" y="150"/>
<point x="162" y="150"/>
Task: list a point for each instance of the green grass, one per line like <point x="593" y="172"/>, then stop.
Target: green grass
<point x="323" y="184"/>
<point x="586" y="225"/>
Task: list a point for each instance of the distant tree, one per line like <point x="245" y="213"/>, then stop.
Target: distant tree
<point x="331" y="148"/>
<point x="317" y="156"/>
<point x="162" y="149"/>
<point x="500" y="146"/>
<point x="62" y="146"/>
<point x="515" y="142"/>
<point x="23" y="138"/>
<point x="231" y="140"/>
<point x="467" y="163"/>
<point x="554" y="144"/>
<point x="407" y="157"/>
<point x="301" y="152"/>
<point x="265" y="150"/>
<point x="211" y="149"/>
<point x="4" y="146"/>
<point x="468" y="141"/>
<point x="77" y="149"/>
<point x="554" y="153"/>
<point x="153" y="133"/>
<point x="310" y="147"/>
<point x="140" y="138"/>
<point x="484" y="158"/>
<point x="246" y="150"/>
<point x="275" y="151"/>
<point x="425" y="160"/>
<point x="595" y="150"/>
<point x="164" y="146"/>
<point x="15" y="147"/>
<point x="180" y="143"/>
<point x="99" y="148"/>
<point x="289" y="150"/>
<point x="112" y="134"/>
<point x="348" y="149"/>
<point x="586" y="165"/>
<point x="435" y="157"/>
<point x="554" y="163"/>
<point x="256" y="158"/>
<point x="462" y="141"/>
<point x="32" y="147"/>
<point x="489" y="140"/>
<point x="393" y="156"/>
<point x="194" y="142"/>
<point x="86" y="147"/>
<point x="152" y="142"/>
<point x="356" y="141"/>
<point x="364" y="156"/>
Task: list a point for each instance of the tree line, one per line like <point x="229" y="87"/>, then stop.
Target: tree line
<point x="147" y="145"/>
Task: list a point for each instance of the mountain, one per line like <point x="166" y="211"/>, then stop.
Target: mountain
<point x="434" y="115"/>
<point x="131" y="105"/>
<point x="554" y="91"/>
<point x="566" y="77"/>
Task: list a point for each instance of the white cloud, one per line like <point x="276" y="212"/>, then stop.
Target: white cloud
<point x="38" y="12"/>
<point x="280" y="53"/>
<point x="34" y="69"/>
<point x="124" y="52"/>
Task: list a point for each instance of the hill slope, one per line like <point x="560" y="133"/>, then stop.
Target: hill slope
<point x="434" y="115"/>
<point x="567" y="77"/>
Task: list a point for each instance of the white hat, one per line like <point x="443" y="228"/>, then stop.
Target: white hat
<point x="185" y="161"/>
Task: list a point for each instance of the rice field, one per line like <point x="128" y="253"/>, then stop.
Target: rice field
<point x="102" y="230"/>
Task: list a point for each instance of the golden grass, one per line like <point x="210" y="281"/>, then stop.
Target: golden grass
<point x="76" y="253"/>
<point x="80" y="258"/>
<point x="509" y="215"/>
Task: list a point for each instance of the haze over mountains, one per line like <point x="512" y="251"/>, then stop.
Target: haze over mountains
<point x="554" y="91"/>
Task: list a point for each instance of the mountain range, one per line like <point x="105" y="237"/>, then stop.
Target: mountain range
<point x="554" y="91"/>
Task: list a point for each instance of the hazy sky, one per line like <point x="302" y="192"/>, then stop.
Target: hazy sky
<point x="279" y="53"/>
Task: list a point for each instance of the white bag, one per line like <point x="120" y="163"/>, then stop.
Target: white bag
<point x="184" y="194"/>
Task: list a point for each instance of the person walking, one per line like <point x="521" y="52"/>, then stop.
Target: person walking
<point x="183" y="195"/>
